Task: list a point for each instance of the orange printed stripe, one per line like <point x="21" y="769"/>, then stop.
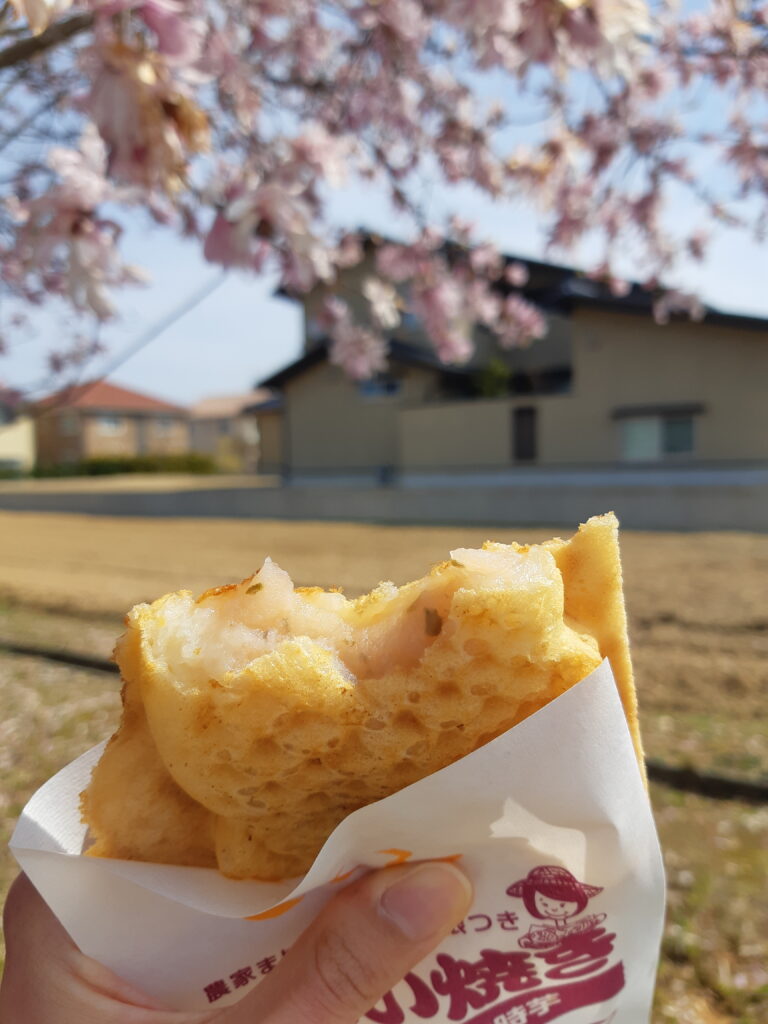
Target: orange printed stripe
<point x="399" y="857"/>
<point x="341" y="878"/>
<point x="278" y="911"/>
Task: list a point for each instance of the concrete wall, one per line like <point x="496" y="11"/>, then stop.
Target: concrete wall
<point x="726" y="501"/>
<point x="17" y="444"/>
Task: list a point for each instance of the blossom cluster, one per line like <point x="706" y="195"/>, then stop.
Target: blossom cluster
<point x="230" y="121"/>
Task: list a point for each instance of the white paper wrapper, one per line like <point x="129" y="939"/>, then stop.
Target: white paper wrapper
<point x="561" y="791"/>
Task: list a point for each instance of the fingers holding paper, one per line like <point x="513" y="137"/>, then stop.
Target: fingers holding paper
<point x="360" y="947"/>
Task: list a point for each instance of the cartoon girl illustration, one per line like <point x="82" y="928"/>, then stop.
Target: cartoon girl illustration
<point x="553" y="894"/>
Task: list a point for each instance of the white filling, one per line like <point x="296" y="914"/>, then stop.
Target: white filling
<point x="224" y="633"/>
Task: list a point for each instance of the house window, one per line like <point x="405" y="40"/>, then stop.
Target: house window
<point x="110" y="424"/>
<point x="653" y="438"/>
<point x="677" y="435"/>
<point x="524" y="434"/>
<point x="380" y="386"/>
<point x="224" y="428"/>
<point x="410" y="320"/>
<point x="164" y="425"/>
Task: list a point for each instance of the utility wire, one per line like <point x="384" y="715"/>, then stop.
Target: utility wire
<point x="144" y="339"/>
<point x="162" y="325"/>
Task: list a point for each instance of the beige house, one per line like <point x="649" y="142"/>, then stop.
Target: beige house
<point x="608" y="387"/>
<point x="17" y="437"/>
<point x="100" y="419"/>
<point x="227" y="428"/>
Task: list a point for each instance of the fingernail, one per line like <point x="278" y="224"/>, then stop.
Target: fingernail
<point x="427" y="900"/>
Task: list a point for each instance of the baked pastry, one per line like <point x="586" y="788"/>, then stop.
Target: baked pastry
<point x="257" y="716"/>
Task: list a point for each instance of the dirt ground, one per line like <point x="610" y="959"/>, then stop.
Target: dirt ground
<point x="698" y="606"/>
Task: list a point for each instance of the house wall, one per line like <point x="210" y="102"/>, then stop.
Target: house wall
<point x="58" y="437"/>
<point x="172" y="439"/>
<point x="455" y="434"/>
<point x="618" y="361"/>
<point x="204" y="435"/>
<point x="479" y="433"/>
<point x="232" y="441"/>
<point x="98" y="443"/>
<point x="329" y="426"/>
<point x="271" y="455"/>
<point x="17" y="444"/>
<point x="623" y="360"/>
<point x="137" y="435"/>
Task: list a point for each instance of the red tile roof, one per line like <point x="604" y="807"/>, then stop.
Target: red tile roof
<point x="104" y="396"/>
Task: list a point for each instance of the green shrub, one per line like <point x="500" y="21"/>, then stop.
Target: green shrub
<point x="108" y="465"/>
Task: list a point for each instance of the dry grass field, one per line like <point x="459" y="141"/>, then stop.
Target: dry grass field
<point x="698" y="607"/>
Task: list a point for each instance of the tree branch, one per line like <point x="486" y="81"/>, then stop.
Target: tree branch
<point x="53" y="36"/>
<point x="30" y="119"/>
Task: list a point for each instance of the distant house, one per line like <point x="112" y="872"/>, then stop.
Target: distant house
<point x="17" y="436"/>
<point x="608" y="387"/>
<point x="226" y="428"/>
<point x="101" y="419"/>
<point x="268" y="413"/>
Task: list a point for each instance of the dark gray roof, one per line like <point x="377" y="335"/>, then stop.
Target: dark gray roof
<point x="399" y="352"/>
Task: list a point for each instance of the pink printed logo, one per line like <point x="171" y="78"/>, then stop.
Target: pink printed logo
<point x="565" y="963"/>
<point x="553" y="894"/>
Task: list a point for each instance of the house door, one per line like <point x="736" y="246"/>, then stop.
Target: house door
<point x="524" y="434"/>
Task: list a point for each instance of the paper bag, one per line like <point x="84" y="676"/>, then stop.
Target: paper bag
<point x="550" y="820"/>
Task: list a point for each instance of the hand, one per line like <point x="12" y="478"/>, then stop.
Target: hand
<point x="359" y="947"/>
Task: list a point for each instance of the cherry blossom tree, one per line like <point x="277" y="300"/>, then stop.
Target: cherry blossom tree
<point x="227" y="121"/>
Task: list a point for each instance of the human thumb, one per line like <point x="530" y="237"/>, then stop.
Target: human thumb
<point x="360" y="946"/>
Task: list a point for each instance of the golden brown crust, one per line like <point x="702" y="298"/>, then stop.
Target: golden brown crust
<point x="133" y="807"/>
<point x="590" y="564"/>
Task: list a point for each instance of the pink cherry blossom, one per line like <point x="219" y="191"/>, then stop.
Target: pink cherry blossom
<point x="383" y="302"/>
<point x="228" y="246"/>
<point x="230" y="123"/>
<point x="323" y="154"/>
<point x="82" y="173"/>
<point x="396" y="262"/>
<point x="178" y="32"/>
<point x="360" y="352"/>
<point x="349" y="250"/>
<point x="150" y="127"/>
<point x="520" y="322"/>
<point x="441" y="307"/>
<point x="39" y="13"/>
<point x="674" y="302"/>
<point x="517" y="274"/>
